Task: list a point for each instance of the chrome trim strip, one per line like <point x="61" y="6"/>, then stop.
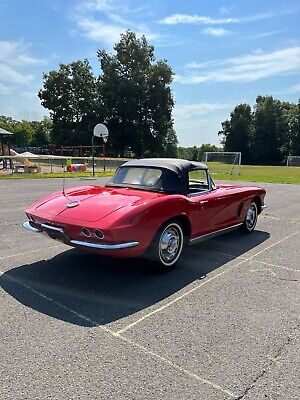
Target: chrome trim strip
<point x="213" y="234"/>
<point x="103" y="246"/>
<point x="27" y="225"/>
<point x="53" y="228"/>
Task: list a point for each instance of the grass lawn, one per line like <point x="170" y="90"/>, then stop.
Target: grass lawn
<point x="249" y="173"/>
<point x="55" y="175"/>
<point x="262" y="173"/>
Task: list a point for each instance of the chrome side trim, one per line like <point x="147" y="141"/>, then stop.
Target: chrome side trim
<point x="103" y="246"/>
<point x="213" y="234"/>
<point x="30" y="227"/>
<point x="52" y="228"/>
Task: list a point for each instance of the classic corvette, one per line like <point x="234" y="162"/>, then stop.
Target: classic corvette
<point x="151" y="207"/>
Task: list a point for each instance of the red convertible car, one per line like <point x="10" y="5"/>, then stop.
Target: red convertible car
<point x="151" y="207"/>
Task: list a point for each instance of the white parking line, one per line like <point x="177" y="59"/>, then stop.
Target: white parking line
<point x="274" y="265"/>
<point x="256" y="261"/>
<point x="178" y="367"/>
<point x="119" y="337"/>
<point x="50" y="299"/>
<point x="183" y="295"/>
<point x="118" y="334"/>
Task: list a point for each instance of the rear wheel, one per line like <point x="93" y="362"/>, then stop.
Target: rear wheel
<point x="167" y="245"/>
<point x="251" y="218"/>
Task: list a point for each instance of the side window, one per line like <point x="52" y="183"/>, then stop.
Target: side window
<point x="198" y="181"/>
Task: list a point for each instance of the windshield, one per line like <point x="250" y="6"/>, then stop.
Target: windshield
<point x="139" y="176"/>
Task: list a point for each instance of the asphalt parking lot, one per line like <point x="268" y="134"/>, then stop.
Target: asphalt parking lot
<point x="223" y="325"/>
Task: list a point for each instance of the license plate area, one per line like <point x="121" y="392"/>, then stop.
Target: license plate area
<point x="55" y="235"/>
<point x="54" y="232"/>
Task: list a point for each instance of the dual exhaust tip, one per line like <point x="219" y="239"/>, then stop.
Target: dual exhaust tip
<point x="97" y="232"/>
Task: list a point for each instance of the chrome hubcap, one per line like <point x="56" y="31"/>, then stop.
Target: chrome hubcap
<point x="251" y="217"/>
<point x="170" y="243"/>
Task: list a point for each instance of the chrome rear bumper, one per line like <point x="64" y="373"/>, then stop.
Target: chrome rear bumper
<point x="105" y="246"/>
<point x="90" y="245"/>
<point x="30" y="227"/>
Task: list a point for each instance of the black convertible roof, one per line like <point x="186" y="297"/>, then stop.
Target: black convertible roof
<point x="174" y="178"/>
<point x="177" y="165"/>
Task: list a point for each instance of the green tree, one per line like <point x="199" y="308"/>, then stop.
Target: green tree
<point x="270" y="130"/>
<point x="170" y="144"/>
<point x="42" y="132"/>
<point x="237" y="131"/>
<point x="196" y="153"/>
<point x="136" y="98"/>
<point x="23" y="133"/>
<point x="207" y="147"/>
<point x="293" y="120"/>
<point x="188" y="153"/>
<point x="71" y="96"/>
<point x="7" y="123"/>
<point x="181" y="152"/>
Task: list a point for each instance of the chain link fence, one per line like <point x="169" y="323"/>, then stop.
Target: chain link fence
<point x="46" y="164"/>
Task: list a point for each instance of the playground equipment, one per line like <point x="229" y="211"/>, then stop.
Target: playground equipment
<point x="24" y="164"/>
<point x="76" y="167"/>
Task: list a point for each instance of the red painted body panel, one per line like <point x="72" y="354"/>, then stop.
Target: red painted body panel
<point x="126" y="215"/>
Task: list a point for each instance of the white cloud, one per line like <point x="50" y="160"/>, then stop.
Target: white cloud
<point x="9" y="74"/>
<point x="216" y="31"/>
<point x="96" y="5"/>
<point x="199" y="65"/>
<point x="294" y="89"/>
<point x="224" y="10"/>
<point x="100" y="31"/>
<point x="189" y="111"/>
<point x="247" y="68"/>
<point x="30" y="95"/>
<point x="107" y="33"/>
<point x="199" y="123"/>
<point x="16" y="53"/>
<point x="265" y="34"/>
<point x="109" y="6"/>
<point x="4" y="89"/>
<point x="103" y="21"/>
<point x="28" y="60"/>
<point x="175" y="19"/>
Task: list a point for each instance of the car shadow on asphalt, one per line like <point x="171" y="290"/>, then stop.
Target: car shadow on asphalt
<point x="104" y="290"/>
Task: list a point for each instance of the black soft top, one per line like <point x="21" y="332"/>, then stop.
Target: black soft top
<point x="177" y="165"/>
<point x="174" y="178"/>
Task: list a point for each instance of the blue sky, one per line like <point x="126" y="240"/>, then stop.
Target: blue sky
<point x="223" y="53"/>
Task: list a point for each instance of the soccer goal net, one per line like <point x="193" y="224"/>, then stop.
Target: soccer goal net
<point x="293" y="161"/>
<point x="223" y="162"/>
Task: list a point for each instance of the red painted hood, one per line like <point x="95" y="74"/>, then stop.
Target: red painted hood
<point x="95" y="202"/>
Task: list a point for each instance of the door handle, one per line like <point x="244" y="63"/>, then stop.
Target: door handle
<point x="202" y="203"/>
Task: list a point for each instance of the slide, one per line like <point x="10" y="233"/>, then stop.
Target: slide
<point x="21" y="159"/>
